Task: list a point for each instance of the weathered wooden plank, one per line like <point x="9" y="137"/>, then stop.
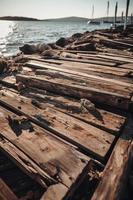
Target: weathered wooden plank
<point x="115" y="43"/>
<point x="98" y="58"/>
<point x="89" y="61"/>
<point x="103" y="119"/>
<point x="25" y="163"/>
<point x="57" y="192"/>
<point x="5" y="192"/>
<point x="128" y="66"/>
<point x="62" y="68"/>
<point x="125" y="88"/>
<point x="128" y="60"/>
<point x="62" y="59"/>
<point x="59" y="160"/>
<point x="114" y="178"/>
<point x="77" y="91"/>
<point x="81" y="79"/>
<point x="73" y="130"/>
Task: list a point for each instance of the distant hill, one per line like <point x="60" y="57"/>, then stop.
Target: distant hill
<point x="16" y="18"/>
<point x="68" y="19"/>
<point x="82" y="19"/>
<point x="64" y="19"/>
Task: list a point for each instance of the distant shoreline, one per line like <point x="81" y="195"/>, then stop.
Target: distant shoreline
<point x="63" y="19"/>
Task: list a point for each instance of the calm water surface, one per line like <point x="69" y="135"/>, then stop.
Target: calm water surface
<point x="15" y="33"/>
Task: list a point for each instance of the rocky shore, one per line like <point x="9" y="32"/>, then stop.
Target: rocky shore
<point x="104" y="41"/>
<point x="99" y="40"/>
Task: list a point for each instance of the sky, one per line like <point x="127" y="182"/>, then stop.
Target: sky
<point x="44" y="9"/>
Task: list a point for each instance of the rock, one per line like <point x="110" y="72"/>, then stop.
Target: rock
<point x="28" y="49"/>
<point x="3" y="66"/>
<point x="77" y="35"/>
<point x="62" y="42"/>
<point x="42" y="47"/>
<point x="87" y="105"/>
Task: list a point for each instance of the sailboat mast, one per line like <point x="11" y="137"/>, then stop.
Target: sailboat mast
<point x="92" y="12"/>
<point x="122" y="17"/>
<point x="116" y="9"/>
<point x="108" y="4"/>
<point x="127" y="8"/>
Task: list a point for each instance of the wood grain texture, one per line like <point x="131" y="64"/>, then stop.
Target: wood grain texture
<point x="96" y="95"/>
<point x="115" y="175"/>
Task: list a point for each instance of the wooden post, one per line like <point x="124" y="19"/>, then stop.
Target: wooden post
<point x="116" y="9"/>
<point x="131" y="18"/>
<point x="127" y="8"/>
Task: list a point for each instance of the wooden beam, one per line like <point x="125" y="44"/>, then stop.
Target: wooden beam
<point x="115" y="175"/>
<point x="104" y="120"/>
<point x="25" y="163"/>
<point x="79" y="92"/>
<point x="67" y="127"/>
<point x="56" y="158"/>
<point x="57" y="192"/>
<point x="72" y="69"/>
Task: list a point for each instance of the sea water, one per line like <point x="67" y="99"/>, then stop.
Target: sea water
<point x="14" y="34"/>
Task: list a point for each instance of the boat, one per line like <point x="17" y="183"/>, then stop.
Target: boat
<point x="93" y="21"/>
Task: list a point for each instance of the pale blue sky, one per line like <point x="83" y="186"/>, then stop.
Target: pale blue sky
<point x="43" y="9"/>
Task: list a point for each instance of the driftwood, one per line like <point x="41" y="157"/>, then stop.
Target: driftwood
<point x="95" y="95"/>
<point x="90" y="61"/>
<point x="72" y="69"/>
<point x="115" y="175"/>
<point x="104" y="120"/>
<point x="57" y="191"/>
<point x="66" y="127"/>
<point x="57" y="159"/>
<point x="25" y="163"/>
<point x="114" y="43"/>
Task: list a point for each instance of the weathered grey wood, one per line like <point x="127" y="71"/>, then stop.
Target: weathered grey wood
<point x="128" y="66"/>
<point x="25" y="163"/>
<point x="59" y="160"/>
<point x="57" y="192"/>
<point x="103" y="119"/>
<point x="114" y="43"/>
<point x="98" y="58"/>
<point x="5" y="192"/>
<point x="89" y="61"/>
<point x="79" y="133"/>
<point x="63" y="68"/>
<point x="95" y="95"/>
<point x="128" y="60"/>
<point x="114" y="178"/>
<point x="91" y="82"/>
